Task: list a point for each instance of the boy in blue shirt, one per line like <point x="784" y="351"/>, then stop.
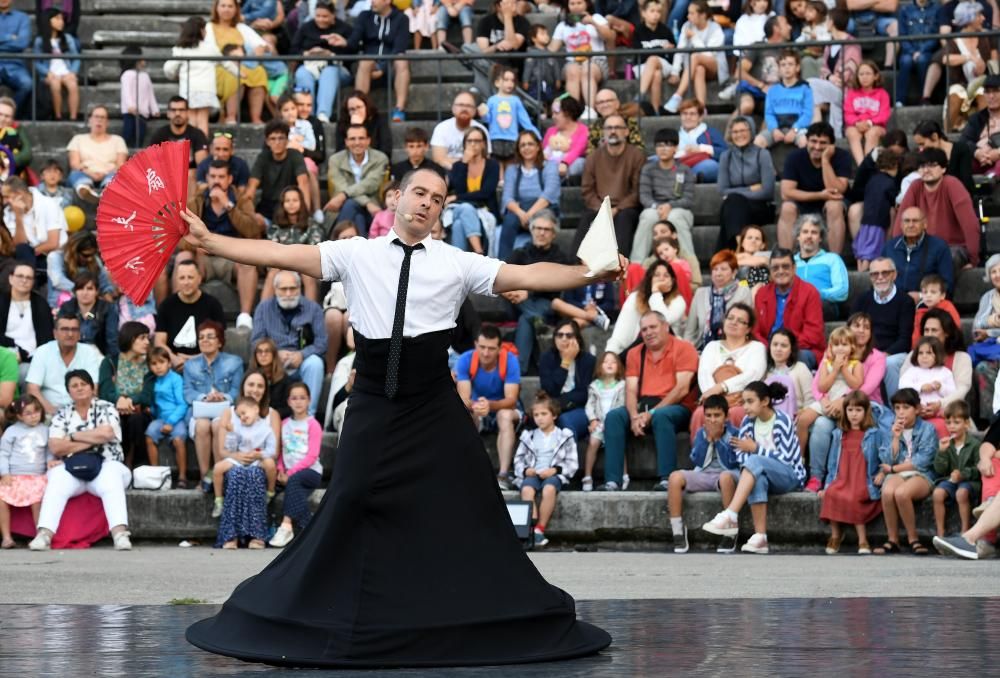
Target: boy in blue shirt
<point x="169" y="409"/>
<point x="489" y="382"/>
<point x="788" y="105"/>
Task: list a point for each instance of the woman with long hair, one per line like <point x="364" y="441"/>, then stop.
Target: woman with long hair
<point x="358" y="108"/>
<point x="530" y="185"/>
<point x="659" y="292"/>
<point x="472" y="185"/>
<point x="196" y="78"/>
<point x="59" y="72"/>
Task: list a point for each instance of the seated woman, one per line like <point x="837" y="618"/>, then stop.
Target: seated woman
<point x="88" y="427"/>
<point x="127" y="382"/>
<point x="746" y="183"/>
<point x="98" y="317"/>
<point x="730" y="363"/>
<point x="700" y="146"/>
<point x="753" y="256"/>
<point x="986" y="326"/>
<point x="785" y="368"/>
<point x="293" y="225"/>
<point x="712" y="302"/>
<point x="656" y="292"/>
<point x="906" y="469"/>
<point x="698" y="68"/>
<point x="264" y="359"/>
<point x="566" y="371"/>
<point x="472" y="184"/>
<point x="211" y="384"/>
<point x="770" y="463"/>
<point x="359" y="109"/>
<point x="530" y="185"/>
<point x="565" y="142"/>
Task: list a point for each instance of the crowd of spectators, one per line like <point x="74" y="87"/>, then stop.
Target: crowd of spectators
<point x="773" y="397"/>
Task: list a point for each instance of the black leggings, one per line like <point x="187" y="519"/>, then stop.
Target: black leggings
<point x="738" y="211"/>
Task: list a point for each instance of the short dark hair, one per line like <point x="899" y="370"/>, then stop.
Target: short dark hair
<point x="536" y="29"/>
<point x="905" y="396"/>
<point x="545" y="400"/>
<point x="770" y="26"/>
<point x="716" y="402"/>
<point x="957" y="409"/>
<point x="276" y="125"/>
<point x="83" y="375"/>
<point x="409" y="176"/>
<point x="570" y="107"/>
<point x="934" y="279"/>
<point x="416" y="135"/>
<point x="840" y="18"/>
<point x="355" y="125"/>
<point x="220" y="164"/>
<point x="67" y="314"/>
<point x="129" y="332"/>
<point x="930" y="156"/>
<point x="487" y="331"/>
<point x="157" y="353"/>
<point x="52" y="163"/>
<point x="821" y="129"/>
<point x="788" y="53"/>
<point x="84" y="278"/>
<point x="782" y="253"/>
<point x="178" y="99"/>
<point x="666" y="135"/>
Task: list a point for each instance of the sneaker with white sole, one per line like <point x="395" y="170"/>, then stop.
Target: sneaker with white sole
<point x="589" y="114"/>
<point x="729" y="91"/>
<point x="727" y="545"/>
<point x="673" y="104"/>
<point x="681" y="541"/>
<point x="244" y="320"/>
<point x="41" y="542"/>
<point x="610" y="486"/>
<point x="722" y="525"/>
<point x="602" y="320"/>
<point x="540" y="538"/>
<point x="956" y="545"/>
<point x="281" y="537"/>
<point x="755" y="544"/>
<point x="588" y="484"/>
<point x="122" y="540"/>
<point x="661" y="486"/>
<point x="625" y="481"/>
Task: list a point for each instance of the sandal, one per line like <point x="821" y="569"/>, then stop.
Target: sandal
<point x="182" y="484"/>
<point x="8" y="544"/>
<point x="887" y="549"/>
<point x="255" y="544"/>
<point x="918" y="549"/>
<point x="230" y="545"/>
<point x="864" y="549"/>
<point x="833" y="545"/>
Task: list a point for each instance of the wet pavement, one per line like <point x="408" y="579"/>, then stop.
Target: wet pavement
<point x="692" y="637"/>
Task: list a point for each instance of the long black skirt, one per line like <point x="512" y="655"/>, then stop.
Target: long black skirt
<point x="411" y="558"/>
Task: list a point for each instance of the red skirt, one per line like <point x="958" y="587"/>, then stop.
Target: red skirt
<point x="846" y="500"/>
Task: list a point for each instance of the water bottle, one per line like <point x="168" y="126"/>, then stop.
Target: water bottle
<point x="629" y="75"/>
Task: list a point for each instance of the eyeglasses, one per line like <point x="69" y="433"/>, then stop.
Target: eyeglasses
<point x="565" y="335"/>
<point x="880" y="274"/>
<point x="614" y="127"/>
<point x="542" y="229"/>
<point x="738" y="321"/>
<point x="781" y="267"/>
<point x="207" y="337"/>
<point x="21" y="276"/>
<point x="228" y="135"/>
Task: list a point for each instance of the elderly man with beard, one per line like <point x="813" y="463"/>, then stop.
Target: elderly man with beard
<point x="295" y="323"/>
<point x="612" y="170"/>
<point x="891" y="310"/>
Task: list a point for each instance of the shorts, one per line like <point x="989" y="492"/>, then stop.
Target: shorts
<point x="502" y="150"/>
<point x="882" y="21"/>
<point x="701" y="481"/>
<point x="488" y="424"/>
<point x="664" y="67"/>
<point x="153" y="431"/>
<point x="598" y="62"/>
<point x="536" y="483"/>
<point x="952" y="489"/>
<point x="219" y="268"/>
<point x="868" y="243"/>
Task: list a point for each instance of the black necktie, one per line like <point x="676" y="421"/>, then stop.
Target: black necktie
<point x="396" y="342"/>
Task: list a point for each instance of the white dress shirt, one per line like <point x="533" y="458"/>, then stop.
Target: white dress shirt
<point x="441" y="276"/>
<point x="45" y="215"/>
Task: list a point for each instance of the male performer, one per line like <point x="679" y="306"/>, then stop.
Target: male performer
<point x="406" y="592"/>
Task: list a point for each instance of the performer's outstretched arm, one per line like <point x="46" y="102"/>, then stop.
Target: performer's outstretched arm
<point x="304" y="259"/>
<point x="547" y="277"/>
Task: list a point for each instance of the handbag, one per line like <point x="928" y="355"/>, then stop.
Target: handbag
<point x="151" y="478"/>
<point x="84" y="465"/>
<point x="727" y="371"/>
<point x="202" y="409"/>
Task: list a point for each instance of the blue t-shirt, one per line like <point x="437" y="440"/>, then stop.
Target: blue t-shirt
<point x="487" y="383"/>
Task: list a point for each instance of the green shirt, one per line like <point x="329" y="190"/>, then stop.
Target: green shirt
<point x="9" y="368"/>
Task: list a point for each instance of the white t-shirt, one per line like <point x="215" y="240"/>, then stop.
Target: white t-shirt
<point x="441" y="276"/>
<point x="100" y="156"/>
<point x="581" y="37"/>
<point x="21" y="329"/>
<point x="45" y="215"/>
<point x="447" y="134"/>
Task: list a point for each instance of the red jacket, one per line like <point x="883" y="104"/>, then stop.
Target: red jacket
<point x="803" y="316"/>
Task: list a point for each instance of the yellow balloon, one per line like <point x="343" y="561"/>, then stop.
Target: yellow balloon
<point x="75" y="218"/>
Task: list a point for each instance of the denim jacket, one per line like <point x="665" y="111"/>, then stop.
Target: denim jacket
<point x="724" y="449"/>
<point x="225" y="374"/>
<point x="72" y="49"/>
<point x="869" y="448"/>
<point x="924" y="447"/>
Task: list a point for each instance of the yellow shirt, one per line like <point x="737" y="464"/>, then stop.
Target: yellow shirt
<point x="473" y="184"/>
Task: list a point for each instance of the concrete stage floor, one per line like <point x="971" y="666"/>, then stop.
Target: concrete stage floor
<point x="690" y="637"/>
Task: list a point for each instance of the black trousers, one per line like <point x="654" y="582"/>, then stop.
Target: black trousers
<point x="625" y="222"/>
<point x="738" y="211"/>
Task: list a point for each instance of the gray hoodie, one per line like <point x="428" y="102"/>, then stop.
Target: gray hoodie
<point x="741" y="168"/>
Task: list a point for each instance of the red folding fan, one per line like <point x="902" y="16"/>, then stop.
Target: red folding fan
<point x="139" y="217"/>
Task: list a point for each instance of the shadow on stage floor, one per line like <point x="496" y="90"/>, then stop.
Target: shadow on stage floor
<point x="781" y="637"/>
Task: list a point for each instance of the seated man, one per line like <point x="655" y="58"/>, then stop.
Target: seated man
<point x="179" y="315"/>
<point x="36" y="223"/>
<point x="179" y="129"/>
<point x="814" y="181"/>
<point x="448" y="138"/>
<point x="276" y="168"/>
<point x="355" y="179"/>
<point x="530" y="307"/>
<point x="659" y="397"/>
<point x="46" y="378"/>
<point x="222" y="148"/>
<point x="229" y="213"/>
<point x="489" y="382"/>
<point x="892" y="315"/>
<point x="295" y="323"/>
<point x="916" y="253"/>
<point x="712" y="454"/>
<point x="823" y="270"/>
<point x="666" y="193"/>
<point x="607" y="104"/>
<point x="792" y="303"/>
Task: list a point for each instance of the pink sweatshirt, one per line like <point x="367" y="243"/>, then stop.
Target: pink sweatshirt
<point x="381" y="224"/>
<point x="872" y="104"/>
<point x="874" y="370"/>
<point x="146" y="105"/>
<point x="577" y="144"/>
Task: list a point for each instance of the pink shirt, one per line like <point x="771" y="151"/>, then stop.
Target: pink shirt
<point x="874" y="370"/>
<point x="577" y="143"/>
<point x="381" y="224"/>
<point x="870" y="104"/>
<point x="143" y="100"/>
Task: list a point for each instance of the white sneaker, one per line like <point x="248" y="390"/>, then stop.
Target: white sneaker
<point x="602" y="320"/>
<point x="755" y="544"/>
<point x="722" y="525"/>
<point x="318" y="216"/>
<point x="281" y="537"/>
<point x="588" y="484"/>
<point x="122" y="541"/>
<point x="589" y="113"/>
<point x="244" y="320"/>
<point x="673" y="104"/>
<point x="41" y="542"/>
<point x="625" y="481"/>
<point x="323" y="117"/>
<point x="727" y="93"/>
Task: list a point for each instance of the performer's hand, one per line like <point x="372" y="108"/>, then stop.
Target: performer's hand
<point x="197" y="230"/>
<point x="617" y="274"/>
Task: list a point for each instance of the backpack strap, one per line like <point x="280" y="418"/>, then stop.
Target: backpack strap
<point x="502" y="364"/>
<point x="473" y="366"/>
<point x="642" y="370"/>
